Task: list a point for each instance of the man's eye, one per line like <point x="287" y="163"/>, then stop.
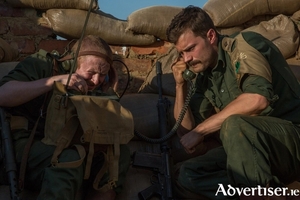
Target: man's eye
<point x="92" y="73"/>
<point x="190" y="49"/>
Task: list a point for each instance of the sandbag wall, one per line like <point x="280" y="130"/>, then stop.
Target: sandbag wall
<point x="140" y="40"/>
<point x="27" y="26"/>
<point x="277" y="20"/>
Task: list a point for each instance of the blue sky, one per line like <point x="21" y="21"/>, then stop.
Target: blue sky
<point x="122" y="8"/>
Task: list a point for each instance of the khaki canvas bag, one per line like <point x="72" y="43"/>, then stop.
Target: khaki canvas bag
<point x="94" y="120"/>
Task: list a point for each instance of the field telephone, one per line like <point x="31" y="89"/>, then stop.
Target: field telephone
<point x="188" y="75"/>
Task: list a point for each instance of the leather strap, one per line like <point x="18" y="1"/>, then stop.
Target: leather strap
<point x="96" y="53"/>
<point x="89" y="158"/>
<point x="25" y="156"/>
<point x="111" y="164"/>
<point x="85" y="53"/>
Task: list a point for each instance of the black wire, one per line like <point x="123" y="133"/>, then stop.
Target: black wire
<point x="128" y="78"/>
<point x="178" y="121"/>
<point x="79" y="43"/>
<point x="192" y="90"/>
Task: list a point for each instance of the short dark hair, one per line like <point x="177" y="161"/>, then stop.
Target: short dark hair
<point x="193" y="18"/>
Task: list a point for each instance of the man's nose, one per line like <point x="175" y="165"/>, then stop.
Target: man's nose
<point x="96" y="79"/>
<point x="187" y="57"/>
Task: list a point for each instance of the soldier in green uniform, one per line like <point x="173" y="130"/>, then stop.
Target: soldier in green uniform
<point x="246" y="92"/>
<point x="26" y="91"/>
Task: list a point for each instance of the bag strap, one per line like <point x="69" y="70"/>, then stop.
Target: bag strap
<point x="113" y="160"/>
<point x="28" y="145"/>
<point x="64" y="140"/>
<point x="100" y="175"/>
<point x="26" y="154"/>
<point x="89" y="158"/>
<point x="111" y="164"/>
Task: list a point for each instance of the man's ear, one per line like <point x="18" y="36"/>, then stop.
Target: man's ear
<point x="111" y="80"/>
<point x="211" y="35"/>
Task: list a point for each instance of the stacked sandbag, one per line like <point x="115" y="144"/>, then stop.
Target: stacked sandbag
<point x="281" y="31"/>
<point x="296" y="19"/>
<point x="69" y="23"/>
<point x="237" y="28"/>
<point x="270" y="18"/>
<point x="66" y="18"/>
<point x="168" y="82"/>
<point x="236" y="12"/>
<point x="152" y="20"/>
<point x="7" y="51"/>
<point x="145" y="114"/>
<point x="45" y="4"/>
<point x="294" y="63"/>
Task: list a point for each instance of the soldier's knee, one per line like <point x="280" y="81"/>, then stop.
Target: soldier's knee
<point x="185" y="175"/>
<point x="231" y="126"/>
<point x="233" y="120"/>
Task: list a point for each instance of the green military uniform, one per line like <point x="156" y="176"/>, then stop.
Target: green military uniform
<point x="53" y="182"/>
<point x="257" y="150"/>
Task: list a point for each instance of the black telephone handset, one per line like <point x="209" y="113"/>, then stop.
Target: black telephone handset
<point x="188" y="75"/>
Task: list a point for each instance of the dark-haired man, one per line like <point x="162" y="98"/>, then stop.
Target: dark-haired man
<point x="247" y="93"/>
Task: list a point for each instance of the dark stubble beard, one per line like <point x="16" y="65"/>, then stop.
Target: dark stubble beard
<point x="213" y="59"/>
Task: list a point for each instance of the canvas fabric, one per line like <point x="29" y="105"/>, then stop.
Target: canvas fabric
<point x="86" y="121"/>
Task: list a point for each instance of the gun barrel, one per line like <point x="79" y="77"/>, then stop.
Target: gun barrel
<point x="9" y="156"/>
<point x="159" y="82"/>
<point x="165" y="155"/>
<point x="160" y="163"/>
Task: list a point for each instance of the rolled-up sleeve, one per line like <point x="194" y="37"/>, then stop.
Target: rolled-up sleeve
<point x="259" y="85"/>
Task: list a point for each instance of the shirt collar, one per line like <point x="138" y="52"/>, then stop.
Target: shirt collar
<point x="221" y="56"/>
<point x="221" y="53"/>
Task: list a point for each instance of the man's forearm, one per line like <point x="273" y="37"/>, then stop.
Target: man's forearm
<point x="188" y="121"/>
<point x="14" y="93"/>
<point x="245" y="104"/>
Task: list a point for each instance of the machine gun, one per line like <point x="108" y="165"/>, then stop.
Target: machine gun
<point x="159" y="163"/>
<point x="9" y="156"/>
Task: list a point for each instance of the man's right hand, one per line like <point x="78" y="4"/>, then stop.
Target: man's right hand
<point x="76" y="82"/>
<point x="191" y="140"/>
<point x="178" y="68"/>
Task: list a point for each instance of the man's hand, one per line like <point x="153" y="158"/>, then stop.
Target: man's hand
<point x="178" y="68"/>
<point x="190" y="140"/>
<point x="76" y="83"/>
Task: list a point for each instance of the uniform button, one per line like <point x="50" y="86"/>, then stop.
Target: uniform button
<point x="222" y="90"/>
